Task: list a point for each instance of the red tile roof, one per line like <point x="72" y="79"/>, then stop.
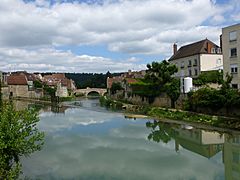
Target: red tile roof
<point x="131" y="80"/>
<point x="17" y="80"/>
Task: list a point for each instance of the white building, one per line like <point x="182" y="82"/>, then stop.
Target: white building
<point x="231" y="53"/>
<point x="192" y="59"/>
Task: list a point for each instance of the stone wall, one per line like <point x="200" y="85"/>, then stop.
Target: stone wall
<point x="5" y="94"/>
<point x="18" y="91"/>
<point x="161" y="101"/>
<point x="21" y="91"/>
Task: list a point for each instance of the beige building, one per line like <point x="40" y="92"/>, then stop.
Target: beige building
<point x="20" y="86"/>
<point x="231" y="53"/>
<point x="197" y="57"/>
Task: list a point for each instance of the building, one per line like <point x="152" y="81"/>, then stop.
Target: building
<point x="125" y="77"/>
<point x="192" y="59"/>
<point x="18" y="86"/>
<point x="231" y="53"/>
<point x="54" y="80"/>
<point x="21" y="85"/>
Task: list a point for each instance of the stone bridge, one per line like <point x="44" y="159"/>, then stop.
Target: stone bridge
<point x="86" y="91"/>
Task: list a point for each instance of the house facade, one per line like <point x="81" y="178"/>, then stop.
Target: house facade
<point x="21" y="85"/>
<point x="18" y="86"/>
<point x="63" y="85"/>
<point x="231" y="53"/>
<point x="192" y="59"/>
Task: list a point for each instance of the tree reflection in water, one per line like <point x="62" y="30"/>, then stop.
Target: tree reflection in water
<point x="160" y="132"/>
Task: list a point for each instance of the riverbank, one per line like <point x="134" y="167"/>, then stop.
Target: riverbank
<point x="173" y="114"/>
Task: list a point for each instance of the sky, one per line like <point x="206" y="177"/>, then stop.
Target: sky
<point x="104" y="35"/>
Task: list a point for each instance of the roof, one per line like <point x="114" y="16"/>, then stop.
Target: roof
<point x="18" y="79"/>
<point x="131" y="80"/>
<point x="234" y="25"/>
<point x="200" y="47"/>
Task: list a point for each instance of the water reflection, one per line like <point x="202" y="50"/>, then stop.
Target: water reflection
<point x="231" y="157"/>
<point x="202" y="142"/>
<point x="89" y="142"/>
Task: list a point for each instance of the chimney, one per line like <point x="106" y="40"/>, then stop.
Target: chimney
<point x="174" y="48"/>
<point x="221" y="41"/>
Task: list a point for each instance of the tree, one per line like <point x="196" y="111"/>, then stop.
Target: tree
<point x="160" y="73"/>
<point x="49" y="90"/>
<point x="115" y="87"/>
<point x="19" y="136"/>
<point x="173" y="90"/>
<point x="37" y="84"/>
<point x="209" y="77"/>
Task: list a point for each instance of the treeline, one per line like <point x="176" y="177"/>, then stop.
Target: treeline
<point x="93" y="80"/>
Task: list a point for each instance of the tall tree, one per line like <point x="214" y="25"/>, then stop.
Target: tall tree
<point x="160" y="73"/>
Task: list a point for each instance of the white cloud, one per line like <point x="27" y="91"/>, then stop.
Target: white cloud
<point x="49" y="59"/>
<point x="126" y="26"/>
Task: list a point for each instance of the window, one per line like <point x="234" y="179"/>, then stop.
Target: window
<point x="219" y="61"/>
<point x="235" y="86"/>
<point x="182" y="64"/>
<point x="189" y="63"/>
<point x="233" y="52"/>
<point x="213" y="50"/>
<point x="195" y="62"/>
<point x="233" y="36"/>
<point x="219" y="51"/>
<point x="234" y="68"/>
<point x="190" y="72"/>
<point x="182" y="73"/>
<point x="195" y="72"/>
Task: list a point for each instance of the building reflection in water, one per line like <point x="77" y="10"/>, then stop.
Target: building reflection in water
<point x="203" y="142"/>
<point x="22" y="105"/>
<point x="231" y="157"/>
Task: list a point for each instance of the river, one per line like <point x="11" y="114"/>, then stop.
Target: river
<point x="86" y="141"/>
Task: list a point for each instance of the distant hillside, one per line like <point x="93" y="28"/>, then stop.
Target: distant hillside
<point x="93" y="80"/>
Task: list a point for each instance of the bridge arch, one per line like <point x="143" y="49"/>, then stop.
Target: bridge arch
<point x="86" y="91"/>
<point x="93" y="93"/>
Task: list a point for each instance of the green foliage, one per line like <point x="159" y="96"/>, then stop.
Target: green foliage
<point x="105" y="101"/>
<point x="207" y="97"/>
<point x="209" y="77"/>
<point x="145" y="89"/>
<point x="160" y="73"/>
<point x="172" y="89"/>
<point x="93" y="80"/>
<point x="160" y="132"/>
<point x="19" y="136"/>
<point x="214" y="99"/>
<point x="69" y="98"/>
<point x="37" y="84"/>
<point x="0" y="93"/>
<point x="108" y="103"/>
<point x="115" y="87"/>
<point x="180" y="115"/>
<point x="49" y="90"/>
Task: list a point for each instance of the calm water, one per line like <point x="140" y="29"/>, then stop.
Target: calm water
<point x="89" y="142"/>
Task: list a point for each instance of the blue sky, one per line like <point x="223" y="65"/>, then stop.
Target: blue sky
<point x="102" y="35"/>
